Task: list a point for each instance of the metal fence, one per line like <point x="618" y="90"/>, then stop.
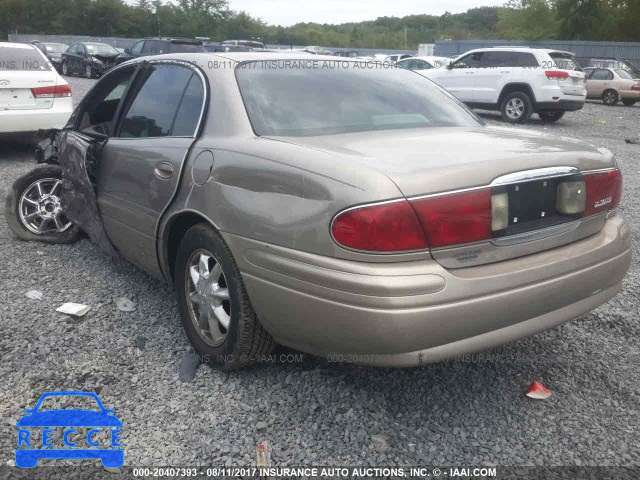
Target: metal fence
<point x="629" y="51"/>
<point x="128" y="42"/>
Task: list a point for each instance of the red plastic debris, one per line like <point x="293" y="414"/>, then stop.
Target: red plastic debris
<point x="538" y="391"/>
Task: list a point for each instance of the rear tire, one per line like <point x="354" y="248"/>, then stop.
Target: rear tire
<point x="211" y="294"/>
<point x="610" y="97"/>
<point x="516" y="107"/>
<point x="629" y="103"/>
<point x="551" y="116"/>
<point x="21" y="212"/>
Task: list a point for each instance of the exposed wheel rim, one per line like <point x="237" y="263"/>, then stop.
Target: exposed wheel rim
<point x="40" y="208"/>
<point x="87" y="71"/>
<point x="207" y="294"/>
<point x="64" y="68"/>
<point x="515" y="108"/>
<point x="610" y="98"/>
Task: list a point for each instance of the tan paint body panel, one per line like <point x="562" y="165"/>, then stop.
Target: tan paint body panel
<point x="397" y="314"/>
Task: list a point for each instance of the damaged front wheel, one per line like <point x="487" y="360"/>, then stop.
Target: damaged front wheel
<point x="34" y="210"/>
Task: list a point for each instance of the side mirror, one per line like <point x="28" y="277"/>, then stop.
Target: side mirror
<point x="450" y="66"/>
<point x="127" y="51"/>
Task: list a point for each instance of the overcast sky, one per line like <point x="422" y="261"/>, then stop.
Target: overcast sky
<point x="289" y="12"/>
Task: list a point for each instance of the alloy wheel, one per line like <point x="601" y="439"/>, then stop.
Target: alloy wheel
<point x="65" y="68"/>
<point x="88" y="71"/>
<point x="208" y="297"/>
<point x="515" y="108"/>
<point x="41" y="208"/>
<point x="610" y="97"/>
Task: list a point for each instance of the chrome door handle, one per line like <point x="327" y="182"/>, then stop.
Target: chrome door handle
<point x="163" y="170"/>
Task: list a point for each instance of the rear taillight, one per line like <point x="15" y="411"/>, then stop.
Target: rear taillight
<point x="462" y="217"/>
<point x="455" y="218"/>
<point x="56" y="91"/>
<point x="556" y="74"/>
<point x="386" y="227"/>
<point x="604" y="190"/>
<point x="635" y="87"/>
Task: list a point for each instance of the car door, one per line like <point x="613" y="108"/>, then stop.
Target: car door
<point x="149" y="48"/>
<point x="80" y="58"/>
<point x="598" y="82"/>
<point x="496" y="70"/>
<point x="459" y="77"/>
<point x="141" y="165"/>
<point x="70" y="58"/>
<point x="136" y="50"/>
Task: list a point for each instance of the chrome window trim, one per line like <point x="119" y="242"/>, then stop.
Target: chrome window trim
<point x="205" y="100"/>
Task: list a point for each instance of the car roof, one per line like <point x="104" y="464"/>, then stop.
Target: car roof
<point x="26" y="46"/>
<point x="516" y="49"/>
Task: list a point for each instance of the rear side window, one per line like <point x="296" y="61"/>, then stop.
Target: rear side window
<point x="22" y="59"/>
<point x="155" y="106"/>
<point x="190" y="109"/>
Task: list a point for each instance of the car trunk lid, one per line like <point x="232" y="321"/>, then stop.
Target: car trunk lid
<point x="526" y="167"/>
<point x="17" y="89"/>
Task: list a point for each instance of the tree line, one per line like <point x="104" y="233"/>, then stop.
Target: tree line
<point x="615" y="20"/>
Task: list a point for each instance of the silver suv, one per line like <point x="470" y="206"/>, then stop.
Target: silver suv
<point x="517" y="81"/>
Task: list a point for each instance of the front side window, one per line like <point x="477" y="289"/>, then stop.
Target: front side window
<point x="136" y="49"/>
<point x="99" y="109"/>
<point x="155" y="105"/>
<point x="472" y="60"/>
<point x="284" y="100"/>
<point x="602" y="74"/>
<point x="497" y="59"/>
<point x="100" y="49"/>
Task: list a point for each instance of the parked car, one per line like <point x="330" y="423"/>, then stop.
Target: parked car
<point x="423" y="63"/>
<point x="314" y="49"/>
<point x="89" y="59"/>
<point x="516" y="81"/>
<point x="219" y="47"/>
<point x="612" y="85"/>
<point x="615" y="63"/>
<point x="386" y="224"/>
<point x="395" y="58"/>
<point x="53" y="51"/>
<point x="32" y="94"/>
<point x="346" y="53"/>
<point x="159" y="46"/>
<point x="246" y="43"/>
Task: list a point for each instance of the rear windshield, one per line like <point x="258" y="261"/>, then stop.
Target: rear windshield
<point x="25" y="59"/>
<point x="53" y="48"/>
<point x="565" y="61"/>
<point x="624" y="74"/>
<point x="176" y="47"/>
<point x="323" y="97"/>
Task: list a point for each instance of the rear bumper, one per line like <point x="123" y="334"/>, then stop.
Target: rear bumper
<point x="629" y="95"/>
<point x="562" y="104"/>
<point x="406" y="314"/>
<point x="20" y="121"/>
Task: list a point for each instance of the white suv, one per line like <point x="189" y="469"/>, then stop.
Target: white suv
<point x="517" y="81"/>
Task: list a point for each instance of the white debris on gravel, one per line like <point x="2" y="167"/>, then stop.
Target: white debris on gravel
<point x="466" y="412"/>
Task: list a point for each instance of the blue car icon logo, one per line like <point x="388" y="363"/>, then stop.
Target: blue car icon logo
<point x="103" y="429"/>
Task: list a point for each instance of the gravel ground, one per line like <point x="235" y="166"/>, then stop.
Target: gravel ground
<point x="313" y="412"/>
